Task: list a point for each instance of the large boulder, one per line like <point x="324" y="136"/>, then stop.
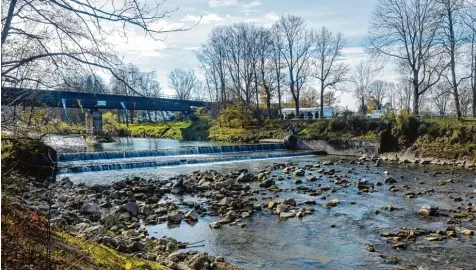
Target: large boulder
<point x="131" y="207"/>
<point x="291" y="142"/>
<point x="267" y="183"/>
<point x="245" y="178"/>
<point x="91" y="208"/>
<point x="428" y="211"/>
<point x="174" y="217"/>
<point x="191" y="215"/>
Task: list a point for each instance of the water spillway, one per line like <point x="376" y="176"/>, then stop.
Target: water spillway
<point x="175" y="162"/>
<point x="80" y="162"/>
<point x="170" y="152"/>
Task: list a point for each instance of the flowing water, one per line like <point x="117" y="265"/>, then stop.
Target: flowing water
<point x="308" y="243"/>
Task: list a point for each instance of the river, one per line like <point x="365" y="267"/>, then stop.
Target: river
<point x="331" y="238"/>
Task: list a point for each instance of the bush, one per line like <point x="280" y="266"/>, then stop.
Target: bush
<point x="111" y="127"/>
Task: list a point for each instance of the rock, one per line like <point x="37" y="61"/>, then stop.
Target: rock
<point x="131" y="207"/>
<point x="363" y="184"/>
<point x="390" y="180"/>
<point x="66" y="182"/>
<point x="282" y="208"/>
<point x="198" y="261"/>
<point x="467" y="232"/>
<point x="297" y="182"/>
<point x="300" y="214"/>
<point x="245" y="178"/>
<point x="428" y="211"/>
<point x="299" y="172"/>
<point x="400" y="245"/>
<point x="91" y="209"/>
<point x="332" y="203"/>
<point x="290" y="201"/>
<point x="99" y="188"/>
<point x="136" y="246"/>
<point x="191" y="215"/>
<point x="215" y="225"/>
<point x="310" y="202"/>
<point x="147" y="211"/>
<point x="174" y="217"/>
<point x="327" y="162"/>
<point x="272" y="205"/>
<point x="267" y="183"/>
<point x="389" y="208"/>
<point x="312" y="178"/>
<point x="171" y="246"/>
<point x="225" y="201"/>
<point x="261" y="176"/>
<point x="284" y="215"/>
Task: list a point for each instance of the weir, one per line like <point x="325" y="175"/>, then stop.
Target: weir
<point x="148" y="164"/>
<point x="170" y="152"/>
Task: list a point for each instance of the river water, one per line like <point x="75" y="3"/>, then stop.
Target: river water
<point x="334" y="238"/>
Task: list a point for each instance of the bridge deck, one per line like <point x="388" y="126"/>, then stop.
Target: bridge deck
<point x="51" y="98"/>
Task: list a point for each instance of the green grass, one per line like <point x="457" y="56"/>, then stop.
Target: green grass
<point x="180" y="130"/>
<point x="108" y="257"/>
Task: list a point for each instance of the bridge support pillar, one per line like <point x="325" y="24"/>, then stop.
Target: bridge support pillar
<point x="94" y="122"/>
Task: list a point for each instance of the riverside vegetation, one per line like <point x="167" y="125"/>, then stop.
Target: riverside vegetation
<point x="102" y="223"/>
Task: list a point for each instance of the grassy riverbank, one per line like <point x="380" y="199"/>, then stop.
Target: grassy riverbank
<point x="438" y="138"/>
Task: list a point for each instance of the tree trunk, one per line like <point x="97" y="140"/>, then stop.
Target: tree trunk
<point x="453" y="64"/>
<point x="322" y="100"/>
<point x="416" y="93"/>
<point x="148" y="114"/>
<point x="279" y="98"/>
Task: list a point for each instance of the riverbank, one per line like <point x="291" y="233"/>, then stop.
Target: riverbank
<point x="358" y="203"/>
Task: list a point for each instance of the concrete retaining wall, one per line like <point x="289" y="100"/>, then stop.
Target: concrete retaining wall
<point x="342" y="148"/>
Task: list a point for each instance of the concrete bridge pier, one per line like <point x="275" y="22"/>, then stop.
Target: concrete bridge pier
<point x="94" y="122"/>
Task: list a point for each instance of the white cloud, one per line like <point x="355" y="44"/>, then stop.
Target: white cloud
<point x="205" y="19"/>
<point x="252" y="4"/>
<point x="222" y="3"/>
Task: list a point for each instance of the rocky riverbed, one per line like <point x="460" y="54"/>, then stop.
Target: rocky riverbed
<point x="391" y="216"/>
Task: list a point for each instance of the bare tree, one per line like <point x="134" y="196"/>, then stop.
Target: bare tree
<point x="296" y="52"/>
<point x="329" y="67"/>
<point x="277" y="44"/>
<point x="469" y="19"/>
<point x="404" y="94"/>
<point x="407" y="30"/>
<point x="362" y="75"/>
<point x="378" y="91"/>
<point x="331" y="99"/>
<point x="309" y="97"/>
<point x="454" y="36"/>
<point x="184" y="82"/>
<point x="440" y="95"/>
<point x="466" y="98"/>
<point x="212" y="57"/>
<point x="59" y="37"/>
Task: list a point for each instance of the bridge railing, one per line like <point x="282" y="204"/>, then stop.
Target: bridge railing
<point x="66" y="89"/>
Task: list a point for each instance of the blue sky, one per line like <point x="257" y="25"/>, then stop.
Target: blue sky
<point x="350" y="17"/>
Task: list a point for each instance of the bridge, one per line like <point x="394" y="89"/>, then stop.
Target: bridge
<point x="91" y="103"/>
<point x="12" y="96"/>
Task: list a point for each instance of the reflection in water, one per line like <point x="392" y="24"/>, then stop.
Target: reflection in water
<point x="66" y="144"/>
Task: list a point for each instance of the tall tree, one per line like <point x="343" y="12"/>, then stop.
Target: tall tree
<point x="407" y="31"/>
<point x="184" y="82"/>
<point x="296" y="52"/>
<point x="454" y="36"/>
<point x="440" y="95"/>
<point x="277" y="44"/>
<point x="469" y="19"/>
<point x="378" y="91"/>
<point x="329" y="66"/>
<point x="362" y="76"/>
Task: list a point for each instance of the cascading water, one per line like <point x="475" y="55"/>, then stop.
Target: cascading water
<point x="119" y="160"/>
<point x="170" y="152"/>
